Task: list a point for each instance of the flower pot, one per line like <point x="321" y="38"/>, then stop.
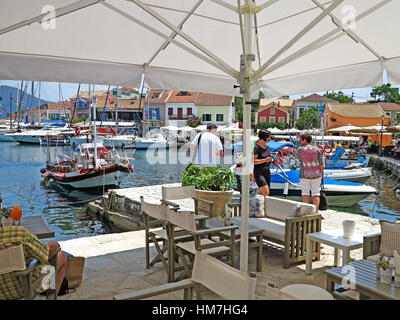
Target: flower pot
<point x="220" y="198"/>
<point x="386" y="276"/>
<point x="348" y="228"/>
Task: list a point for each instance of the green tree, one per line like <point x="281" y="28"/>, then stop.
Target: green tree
<point x="239" y="109"/>
<point x="339" y="96"/>
<point x="267" y="125"/>
<point x="308" y="119"/>
<point x="386" y="93"/>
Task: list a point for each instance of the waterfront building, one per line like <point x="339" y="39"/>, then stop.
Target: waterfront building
<point x="180" y="107"/>
<point x="273" y="113"/>
<point x="61" y="110"/>
<point x="286" y="110"/>
<point x="392" y="110"/>
<point x="154" y="106"/>
<point x="215" y="108"/>
<point x="307" y="102"/>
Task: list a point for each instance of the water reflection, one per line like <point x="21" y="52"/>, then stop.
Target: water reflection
<point x="65" y="208"/>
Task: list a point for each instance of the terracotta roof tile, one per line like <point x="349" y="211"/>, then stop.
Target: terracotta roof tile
<point x="175" y="98"/>
<point x="389" y="106"/>
<point x="282" y="102"/>
<point x="315" y="98"/>
<point x="162" y="96"/>
<point x="357" y="110"/>
<point x="208" y="99"/>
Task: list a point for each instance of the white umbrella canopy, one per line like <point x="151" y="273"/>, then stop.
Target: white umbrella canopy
<point x="371" y="129"/>
<point x="299" y="46"/>
<point x="343" y="128"/>
<point x="288" y="47"/>
<point x="170" y="128"/>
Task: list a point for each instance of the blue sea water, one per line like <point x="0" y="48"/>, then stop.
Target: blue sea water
<point x="64" y="209"/>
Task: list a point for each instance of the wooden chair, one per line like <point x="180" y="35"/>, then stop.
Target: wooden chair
<point x="157" y="232"/>
<point x="202" y="241"/>
<point x="225" y="281"/>
<point x="154" y="220"/>
<point x="12" y="260"/>
<point x="201" y="206"/>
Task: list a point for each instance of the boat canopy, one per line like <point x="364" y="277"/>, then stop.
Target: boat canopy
<point x="274" y="146"/>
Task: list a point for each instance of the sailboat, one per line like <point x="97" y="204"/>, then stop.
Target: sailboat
<point x="92" y="166"/>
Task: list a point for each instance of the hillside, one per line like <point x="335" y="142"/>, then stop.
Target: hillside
<point x="26" y="100"/>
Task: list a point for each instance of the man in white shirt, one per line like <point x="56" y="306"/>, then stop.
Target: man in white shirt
<point x="209" y="148"/>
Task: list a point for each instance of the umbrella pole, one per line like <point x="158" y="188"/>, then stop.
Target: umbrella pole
<point x="246" y="61"/>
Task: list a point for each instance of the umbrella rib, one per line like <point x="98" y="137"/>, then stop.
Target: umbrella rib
<point x="305" y="30"/>
<point x="58" y="13"/>
<point x="349" y="32"/>
<point x="322" y="41"/>
<point x="186" y="48"/>
<point x="224" y="4"/>
<point x="173" y="34"/>
<point x="228" y="69"/>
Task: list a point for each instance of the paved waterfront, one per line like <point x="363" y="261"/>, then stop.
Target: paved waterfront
<point x="116" y="262"/>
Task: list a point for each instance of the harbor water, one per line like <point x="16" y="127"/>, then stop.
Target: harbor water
<point x="64" y="209"/>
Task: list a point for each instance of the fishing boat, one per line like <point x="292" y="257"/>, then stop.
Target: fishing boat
<point x="94" y="166"/>
<point x="339" y="193"/>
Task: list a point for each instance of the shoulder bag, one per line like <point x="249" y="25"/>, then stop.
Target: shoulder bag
<point x="323" y="200"/>
<point x="195" y="153"/>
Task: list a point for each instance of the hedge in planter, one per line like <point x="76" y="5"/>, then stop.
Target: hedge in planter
<point x="212" y="183"/>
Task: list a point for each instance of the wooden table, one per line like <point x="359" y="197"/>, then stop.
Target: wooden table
<point x="253" y="232"/>
<point x="335" y="239"/>
<point x="365" y="282"/>
<point x="37" y="225"/>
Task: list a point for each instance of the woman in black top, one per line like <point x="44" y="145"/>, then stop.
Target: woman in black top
<point x="262" y="160"/>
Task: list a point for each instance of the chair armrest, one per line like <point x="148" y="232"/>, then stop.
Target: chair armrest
<point x="214" y="230"/>
<point x="205" y="201"/>
<point x="169" y="203"/>
<point x="371" y="244"/>
<point x="155" y="291"/>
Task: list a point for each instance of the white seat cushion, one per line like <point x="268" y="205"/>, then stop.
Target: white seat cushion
<point x="190" y="247"/>
<point x="273" y="228"/>
<point x="307" y="292"/>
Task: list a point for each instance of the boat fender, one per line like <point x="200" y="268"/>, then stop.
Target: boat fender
<point x="327" y="149"/>
<point x="43" y="170"/>
<point x="286" y="189"/>
<point x="77" y="131"/>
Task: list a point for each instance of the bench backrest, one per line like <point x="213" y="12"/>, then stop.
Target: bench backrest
<point x="222" y="279"/>
<point x="280" y="209"/>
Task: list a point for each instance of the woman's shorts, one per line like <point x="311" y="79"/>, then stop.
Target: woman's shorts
<point x="262" y="177"/>
<point x="312" y="186"/>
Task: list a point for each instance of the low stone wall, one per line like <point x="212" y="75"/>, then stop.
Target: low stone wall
<point x="123" y="212"/>
<point x="385" y="164"/>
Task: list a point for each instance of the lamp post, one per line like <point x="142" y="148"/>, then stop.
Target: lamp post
<point x="380" y="147"/>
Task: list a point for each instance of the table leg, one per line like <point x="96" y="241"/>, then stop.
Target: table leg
<point x="346" y="257"/>
<point x="309" y="256"/>
<point x="259" y="253"/>
<point x="336" y="258"/>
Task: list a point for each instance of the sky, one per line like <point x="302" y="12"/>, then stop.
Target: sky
<point x="50" y="90"/>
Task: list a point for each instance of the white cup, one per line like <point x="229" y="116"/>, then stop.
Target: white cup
<point x="348" y="228"/>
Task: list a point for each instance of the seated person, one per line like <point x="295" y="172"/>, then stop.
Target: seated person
<point x="10" y="287"/>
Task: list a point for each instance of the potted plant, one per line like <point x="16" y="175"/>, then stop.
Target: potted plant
<point x="212" y="184"/>
<point x="386" y="269"/>
<point x="5" y="214"/>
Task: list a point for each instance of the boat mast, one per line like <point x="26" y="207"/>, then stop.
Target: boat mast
<point x="90" y="110"/>
<point x="94" y="128"/>
<point x="116" y="111"/>
<point x="32" y="95"/>
<point x="39" y="113"/>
